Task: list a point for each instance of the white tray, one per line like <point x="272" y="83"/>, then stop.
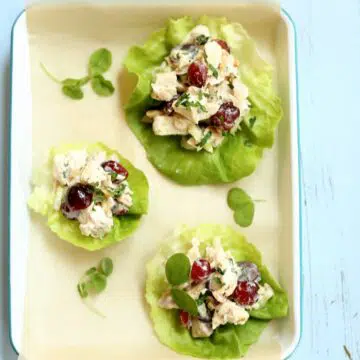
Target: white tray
<point x="287" y="152"/>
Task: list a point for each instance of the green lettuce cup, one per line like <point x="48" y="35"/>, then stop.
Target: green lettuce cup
<point x="228" y="341"/>
<point x="45" y="195"/>
<point x="239" y="154"/>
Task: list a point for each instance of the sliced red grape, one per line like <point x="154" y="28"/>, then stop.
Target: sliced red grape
<point x="79" y="196"/>
<point x="185" y="318"/>
<point x="246" y="293"/>
<point x="200" y="270"/>
<point x="68" y="213"/>
<point x="249" y="272"/>
<point x="197" y="74"/>
<point x="115" y="167"/>
<point x="224" y="45"/>
<point x="225" y="116"/>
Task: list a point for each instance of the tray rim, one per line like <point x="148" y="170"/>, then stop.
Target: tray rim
<point x="298" y="325"/>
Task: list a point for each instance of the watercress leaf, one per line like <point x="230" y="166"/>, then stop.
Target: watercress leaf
<point x="177" y="269"/>
<point x="100" y="61"/>
<point x="97" y="281"/>
<point x="91" y="271"/>
<point x="106" y="266"/>
<point x="82" y="290"/>
<point x="243" y="206"/>
<point x="101" y="86"/>
<point x="184" y="301"/>
<point x="73" y="92"/>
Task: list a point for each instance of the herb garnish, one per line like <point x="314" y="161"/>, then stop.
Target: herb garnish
<point x="231" y="85"/>
<point x="201" y="39"/>
<point x="243" y="206"/>
<point x="177" y="269"/>
<point x="214" y="71"/>
<point x="94" y="281"/>
<point x="205" y="139"/>
<point x="184" y="101"/>
<point x="118" y="191"/>
<point x="99" y="62"/>
<point x="98" y="196"/>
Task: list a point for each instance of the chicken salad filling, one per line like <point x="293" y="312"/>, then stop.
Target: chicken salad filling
<point x="202" y="98"/>
<point x="91" y="189"/>
<point x="222" y="290"/>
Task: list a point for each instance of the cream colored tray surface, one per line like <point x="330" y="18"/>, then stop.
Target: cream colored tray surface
<point x="45" y="270"/>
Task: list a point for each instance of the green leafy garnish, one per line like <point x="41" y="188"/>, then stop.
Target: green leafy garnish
<point x="106" y="266"/>
<point x="205" y="139"/>
<point x="201" y="39"/>
<point x="231" y="85"/>
<point x="73" y="91"/>
<point x="184" y="301"/>
<point x="177" y="269"/>
<point x="214" y="71"/>
<point x="243" y="206"/>
<point x="118" y="191"/>
<point x="95" y="279"/>
<point x="99" y="62"/>
<point x="101" y="86"/>
<point x="202" y="297"/>
<point x="98" y="196"/>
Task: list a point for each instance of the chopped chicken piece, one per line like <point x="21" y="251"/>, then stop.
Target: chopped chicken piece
<point x="165" y="86"/>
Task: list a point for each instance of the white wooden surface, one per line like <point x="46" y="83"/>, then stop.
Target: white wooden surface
<point x="329" y="78"/>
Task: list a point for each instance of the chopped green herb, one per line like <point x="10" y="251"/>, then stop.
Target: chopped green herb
<point x="214" y="71"/>
<point x="200" y="95"/>
<point x="118" y="191"/>
<point x="182" y="98"/>
<point x="218" y="280"/>
<point x="205" y="139"/>
<point x="202" y="297"/>
<point x="231" y="85"/>
<point x="98" y="196"/>
<point x="252" y="121"/>
<point x="201" y="39"/>
<point x="220" y="271"/>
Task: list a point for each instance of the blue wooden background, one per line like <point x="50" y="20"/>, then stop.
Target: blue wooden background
<point x="329" y="83"/>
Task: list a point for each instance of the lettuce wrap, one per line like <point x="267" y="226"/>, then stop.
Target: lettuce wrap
<point x="238" y="155"/>
<point x="42" y="201"/>
<point x="229" y="341"/>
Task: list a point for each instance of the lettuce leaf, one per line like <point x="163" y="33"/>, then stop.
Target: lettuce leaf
<point x="229" y="341"/>
<point x="238" y="155"/>
<point x="42" y="198"/>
